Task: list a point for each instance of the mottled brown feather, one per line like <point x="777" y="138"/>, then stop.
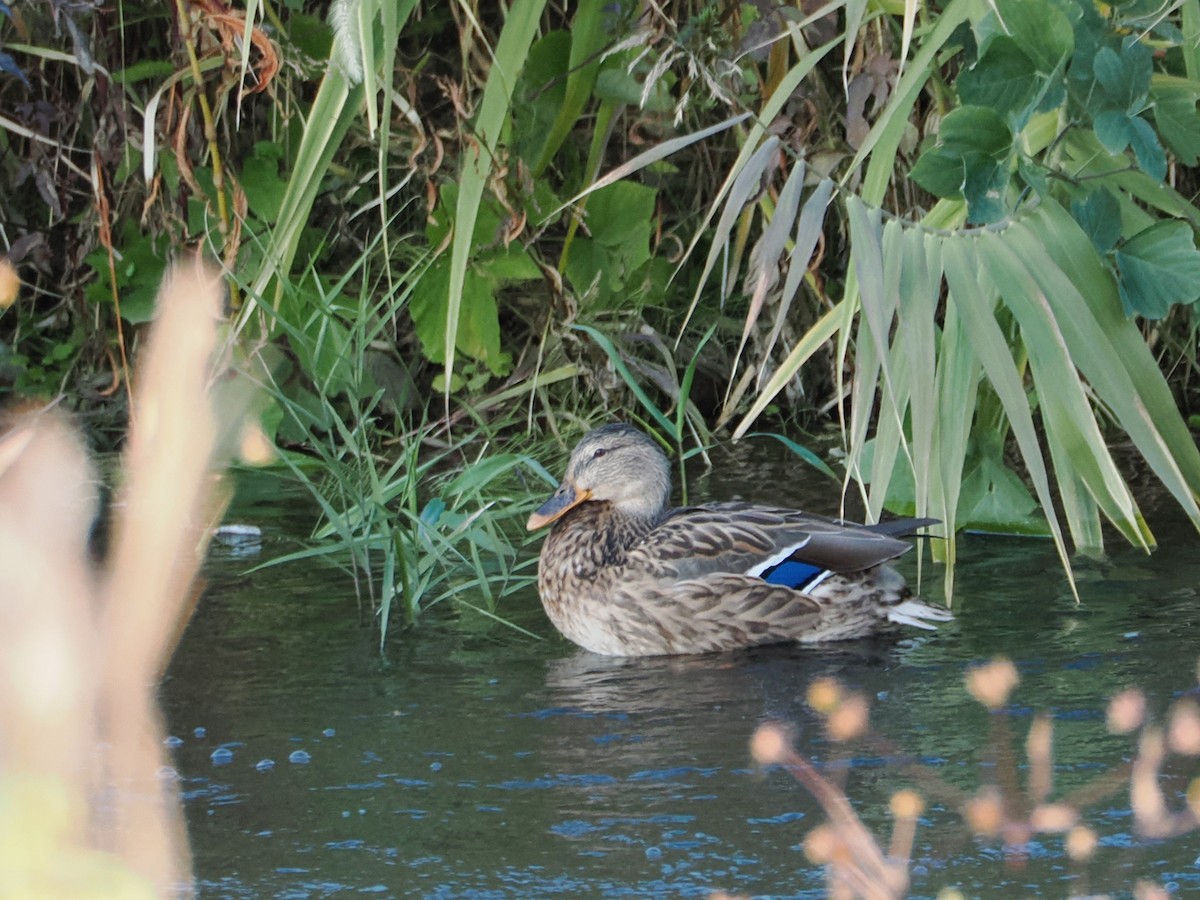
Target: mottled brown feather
<point x="620" y="575"/>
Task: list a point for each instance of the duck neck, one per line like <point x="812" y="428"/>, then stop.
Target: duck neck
<point x="600" y="535"/>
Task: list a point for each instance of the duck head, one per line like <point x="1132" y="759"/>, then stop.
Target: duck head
<point x="616" y="464"/>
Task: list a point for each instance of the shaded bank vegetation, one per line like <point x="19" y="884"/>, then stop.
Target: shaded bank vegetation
<point x="965" y="234"/>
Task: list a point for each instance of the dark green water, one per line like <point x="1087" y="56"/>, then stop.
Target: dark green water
<point x="475" y="762"/>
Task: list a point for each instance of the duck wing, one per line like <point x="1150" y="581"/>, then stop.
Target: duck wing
<point x="712" y="613"/>
<point x="782" y="546"/>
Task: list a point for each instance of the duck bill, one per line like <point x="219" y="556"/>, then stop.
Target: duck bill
<point x="565" y="498"/>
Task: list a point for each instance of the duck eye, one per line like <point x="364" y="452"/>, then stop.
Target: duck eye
<point x="599" y="453"/>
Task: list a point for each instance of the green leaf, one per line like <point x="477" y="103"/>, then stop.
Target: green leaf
<point x="1041" y="30"/>
<point x="589" y="34"/>
<point x="985" y="189"/>
<point x="969" y="161"/>
<point x="993" y="498"/>
<point x="139" y="270"/>
<point x="1177" y="120"/>
<point x="145" y="70"/>
<point x="1151" y="157"/>
<point x="1159" y="267"/>
<point x="1124" y="76"/>
<point x="264" y="188"/>
<point x="1004" y="79"/>
<point x="1114" y="128"/>
<point x="1099" y="215"/>
<point x="509" y="264"/>
<point x="973" y="128"/>
<point x="1118" y="130"/>
<point x="477" y="335"/>
<point x="619" y="219"/>
<point x="539" y="96"/>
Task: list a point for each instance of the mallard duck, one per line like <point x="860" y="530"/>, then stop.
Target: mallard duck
<point x="623" y="575"/>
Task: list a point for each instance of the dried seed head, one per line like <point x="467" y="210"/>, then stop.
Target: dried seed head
<point x="1126" y="711"/>
<point x="10" y="284"/>
<point x="1148" y="890"/>
<point x="769" y="745"/>
<point x="824" y="694"/>
<point x="1081" y="842"/>
<point x="991" y="684"/>
<point x="849" y="720"/>
<point x="256" y="448"/>
<point x="907" y="804"/>
<point x="821" y="845"/>
<point x="1053" y="817"/>
<point x="1183" y="733"/>
<point x="985" y="812"/>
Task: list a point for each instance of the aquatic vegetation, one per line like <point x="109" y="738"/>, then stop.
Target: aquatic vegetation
<point x="939" y="227"/>
<point x="857" y="864"/>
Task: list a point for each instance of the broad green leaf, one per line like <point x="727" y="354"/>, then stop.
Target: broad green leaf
<point x="540" y="94"/>
<point x="1099" y="215"/>
<point x="977" y="129"/>
<point x="1125" y="77"/>
<point x="993" y="498"/>
<point x="1003" y="79"/>
<point x="1174" y="105"/>
<point x="139" y="270"/>
<point x="970" y="160"/>
<point x="264" y="188"/>
<point x="1041" y="29"/>
<point x="477" y="331"/>
<point x="1151" y="157"/>
<point x="508" y="264"/>
<point x="620" y="221"/>
<point x="941" y="171"/>
<point x="1114" y="128"/>
<point x="1109" y="348"/>
<point x="1159" y="267"/>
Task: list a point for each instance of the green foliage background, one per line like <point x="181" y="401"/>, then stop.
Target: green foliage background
<point x="963" y="232"/>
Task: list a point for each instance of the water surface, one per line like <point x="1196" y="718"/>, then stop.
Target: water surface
<point x="472" y="761"/>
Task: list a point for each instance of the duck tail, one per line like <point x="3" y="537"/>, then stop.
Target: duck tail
<point x="918" y="614"/>
<point x="902" y="527"/>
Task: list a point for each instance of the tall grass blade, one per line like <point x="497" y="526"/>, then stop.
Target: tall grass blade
<point x="763" y="268"/>
<point x="758" y="131"/>
<point x="1064" y="406"/>
<point x="1109" y="348"/>
<point x="808" y="232"/>
<point x="988" y="341"/>
<point x="511" y="51"/>
<point x="618" y="363"/>
<point x="813" y="340"/>
<point x="883" y="140"/>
